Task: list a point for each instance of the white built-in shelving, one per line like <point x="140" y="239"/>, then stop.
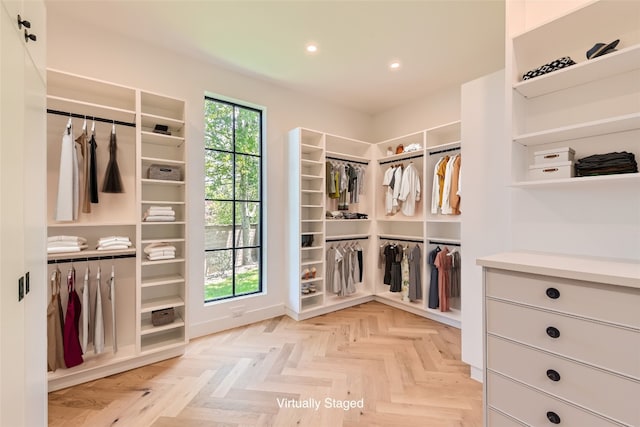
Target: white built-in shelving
<point x="308" y="151"/>
<point x="592" y="107"/>
<point x="142" y="286"/>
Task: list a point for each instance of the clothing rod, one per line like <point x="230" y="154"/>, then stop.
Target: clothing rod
<point x="346" y="239"/>
<point x="91" y="258"/>
<point x="401" y="239"/>
<point x="443" y="151"/>
<point x="97" y="119"/>
<point x="401" y="160"/>
<point x="435" y="242"/>
<point x="346" y="160"/>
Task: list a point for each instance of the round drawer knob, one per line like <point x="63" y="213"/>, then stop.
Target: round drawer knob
<point x="553" y="332"/>
<point x="553" y="375"/>
<point x="553" y="293"/>
<point x="553" y="417"/>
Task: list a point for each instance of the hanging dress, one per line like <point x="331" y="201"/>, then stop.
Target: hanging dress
<point x="443" y="262"/>
<point x="405" y="274"/>
<point x="434" y="299"/>
<point x="415" y="279"/>
<point x="112" y="181"/>
<point x="55" y="343"/>
<point x="65" y="201"/>
<point x="93" y="169"/>
<point x="112" y="298"/>
<point x="98" y="322"/>
<point x="84" y="150"/>
<point x="72" y="349"/>
<point x="85" y="313"/>
<point x="396" y="270"/>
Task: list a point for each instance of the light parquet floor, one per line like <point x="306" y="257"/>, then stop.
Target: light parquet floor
<point x="406" y="369"/>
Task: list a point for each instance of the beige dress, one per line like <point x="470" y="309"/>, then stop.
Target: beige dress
<point x="55" y="346"/>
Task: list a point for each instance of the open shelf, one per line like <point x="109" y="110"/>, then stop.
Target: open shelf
<point x="442" y="239"/>
<point x="146" y="327"/>
<point x="163" y="223"/>
<point x="161" y="280"/>
<point x="161" y="182"/>
<point x="90" y="253"/>
<point x="346" y="157"/>
<point x="309" y="149"/>
<point x="608" y="179"/>
<point x="311" y="295"/>
<point x="583" y="130"/>
<point x="162" y="161"/>
<point x="161" y="303"/>
<point x="161" y="139"/>
<point x="91" y="224"/>
<point x="149" y="121"/>
<point x="446" y="146"/>
<point x="402" y="156"/>
<point x="608" y="65"/>
<point x="313" y="279"/>
<point x="162" y="261"/>
<point x="161" y="202"/>
<point x="90" y="109"/>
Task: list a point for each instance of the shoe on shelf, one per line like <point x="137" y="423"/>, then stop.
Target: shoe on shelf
<point x="305" y="274"/>
<point x="313" y="272"/>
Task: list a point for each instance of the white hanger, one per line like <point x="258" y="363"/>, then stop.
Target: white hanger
<point x="84" y="124"/>
<point x="113" y="128"/>
<point x="69" y="125"/>
<point x="93" y="127"/>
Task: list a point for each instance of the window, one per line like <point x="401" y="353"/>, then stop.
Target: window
<point x="233" y="200"/>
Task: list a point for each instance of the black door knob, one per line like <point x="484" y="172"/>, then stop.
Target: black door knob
<point x="28" y="37"/>
<point x="553" y="293"/>
<point x="553" y="332"/>
<point x="553" y="375"/>
<point x="23" y="23"/>
<point x="553" y="417"/>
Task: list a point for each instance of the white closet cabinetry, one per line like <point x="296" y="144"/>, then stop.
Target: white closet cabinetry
<point x="555" y="365"/>
<point x="308" y="151"/>
<point x="22" y="210"/>
<point x="141" y="286"/>
<point x="162" y="282"/>
<point x="592" y="106"/>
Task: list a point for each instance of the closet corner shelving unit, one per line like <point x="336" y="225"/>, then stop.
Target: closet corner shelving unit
<point x="424" y="227"/>
<point x="141" y="287"/>
<point x="308" y="151"/>
<point x="592" y="106"/>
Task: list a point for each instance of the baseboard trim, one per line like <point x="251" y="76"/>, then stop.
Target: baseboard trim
<point x="228" y="322"/>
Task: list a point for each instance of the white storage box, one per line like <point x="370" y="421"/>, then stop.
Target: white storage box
<point x="557" y="170"/>
<point x="562" y="154"/>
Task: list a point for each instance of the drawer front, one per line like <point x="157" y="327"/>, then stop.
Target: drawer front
<point x="535" y="408"/>
<point x="599" y="391"/>
<point x="496" y="419"/>
<point x="607" y="303"/>
<point x="608" y="347"/>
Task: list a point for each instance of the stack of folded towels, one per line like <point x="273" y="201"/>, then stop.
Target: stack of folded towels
<point x="113" y="243"/>
<point x="160" y="213"/>
<point x="161" y="250"/>
<point x="61" y="244"/>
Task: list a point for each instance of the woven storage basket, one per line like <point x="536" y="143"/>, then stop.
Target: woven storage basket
<point x="166" y="172"/>
<point x="162" y="317"/>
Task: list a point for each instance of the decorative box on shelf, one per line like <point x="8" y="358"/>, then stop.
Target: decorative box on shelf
<point x="558" y="170"/>
<point x="165" y="172"/>
<point x="562" y="154"/>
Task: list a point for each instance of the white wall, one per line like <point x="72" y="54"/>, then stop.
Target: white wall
<point x="99" y="54"/>
<point x="486" y="200"/>
<point x="435" y="109"/>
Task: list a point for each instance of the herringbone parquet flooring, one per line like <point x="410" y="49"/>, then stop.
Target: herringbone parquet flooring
<point x="402" y="369"/>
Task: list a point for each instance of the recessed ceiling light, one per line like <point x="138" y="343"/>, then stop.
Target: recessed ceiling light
<point x="311" y="47"/>
<point x="394" y="65"/>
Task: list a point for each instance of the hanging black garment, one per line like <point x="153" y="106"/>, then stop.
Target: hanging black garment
<point x="396" y="270"/>
<point x="434" y="297"/>
<point x="112" y="181"/>
<point x="93" y="170"/>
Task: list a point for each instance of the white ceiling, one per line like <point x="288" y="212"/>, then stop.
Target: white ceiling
<point x="440" y="43"/>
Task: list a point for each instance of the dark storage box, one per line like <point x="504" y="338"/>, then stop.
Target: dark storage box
<point x="166" y="172"/>
<point x="162" y="317"/>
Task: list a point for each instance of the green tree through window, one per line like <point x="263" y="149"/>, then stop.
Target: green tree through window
<point x="233" y="200"/>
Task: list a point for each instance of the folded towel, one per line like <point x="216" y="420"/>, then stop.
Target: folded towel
<point x="161" y="246"/>
<point x="76" y="248"/>
<point x="113" y="239"/>
<point x="66" y="239"/>
<point x="113" y="247"/>
<point x="160" y="208"/>
<point x="160" y="218"/>
<point x="114" y="243"/>
<point x="63" y="244"/>
<point x="162" y="252"/>
<point x="159" y="257"/>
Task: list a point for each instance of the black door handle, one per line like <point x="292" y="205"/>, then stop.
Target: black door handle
<point x="28" y="37"/>
<point x="553" y="375"/>
<point x="23" y="23"/>
<point x="553" y="417"/>
<point x="553" y="293"/>
<point x="553" y="332"/>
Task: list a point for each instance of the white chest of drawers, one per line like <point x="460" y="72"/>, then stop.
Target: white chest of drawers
<point x="562" y="341"/>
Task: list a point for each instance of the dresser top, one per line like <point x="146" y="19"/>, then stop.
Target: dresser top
<point x="592" y="269"/>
